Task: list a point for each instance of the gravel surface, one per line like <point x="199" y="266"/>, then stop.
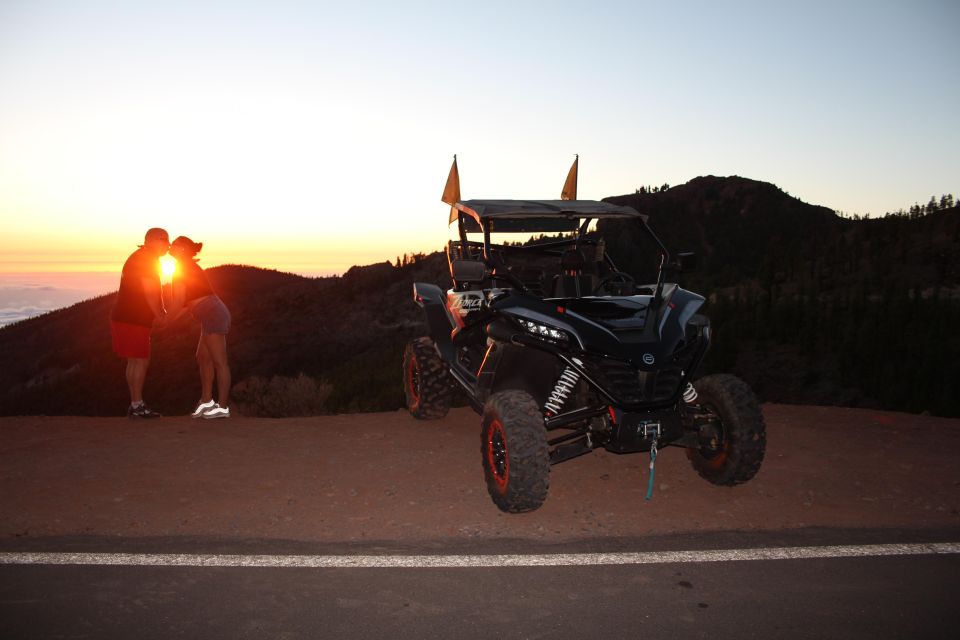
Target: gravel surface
<point x="388" y="477"/>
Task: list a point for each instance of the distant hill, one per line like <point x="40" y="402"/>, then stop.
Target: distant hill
<point x="349" y="330"/>
<point x="751" y="233"/>
<point x="807" y="306"/>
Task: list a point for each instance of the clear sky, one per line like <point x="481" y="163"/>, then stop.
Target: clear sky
<point x="311" y="136"/>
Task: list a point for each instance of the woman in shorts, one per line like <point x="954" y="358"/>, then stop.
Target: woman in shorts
<point x="192" y="291"/>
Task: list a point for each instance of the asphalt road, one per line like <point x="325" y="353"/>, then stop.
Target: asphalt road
<point x="898" y="596"/>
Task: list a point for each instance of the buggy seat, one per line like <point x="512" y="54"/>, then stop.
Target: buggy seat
<point x="573" y="282"/>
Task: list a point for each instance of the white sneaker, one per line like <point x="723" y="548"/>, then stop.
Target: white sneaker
<point x="201" y="408"/>
<point x="216" y="412"/>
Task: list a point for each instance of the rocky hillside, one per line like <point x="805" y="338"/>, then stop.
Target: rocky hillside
<point x="750" y="233"/>
<point x="298" y="346"/>
<point x="807" y="306"/>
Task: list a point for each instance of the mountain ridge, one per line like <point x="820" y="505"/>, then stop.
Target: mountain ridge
<point x="807" y="306"/>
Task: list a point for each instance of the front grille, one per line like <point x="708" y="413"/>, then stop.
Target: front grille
<point x="618" y="378"/>
<point x="629" y="385"/>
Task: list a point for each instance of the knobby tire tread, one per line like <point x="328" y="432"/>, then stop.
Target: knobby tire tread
<point x="527" y="451"/>
<point x="743" y="424"/>
<point x="434" y="400"/>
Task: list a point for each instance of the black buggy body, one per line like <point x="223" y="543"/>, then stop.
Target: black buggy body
<point x="561" y="352"/>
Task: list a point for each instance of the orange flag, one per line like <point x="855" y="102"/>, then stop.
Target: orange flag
<point x="570" y="186"/>
<point x="451" y="192"/>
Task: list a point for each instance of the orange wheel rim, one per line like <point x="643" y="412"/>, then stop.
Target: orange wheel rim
<point x="497" y="459"/>
<point x="717" y="461"/>
<point x="413" y="382"/>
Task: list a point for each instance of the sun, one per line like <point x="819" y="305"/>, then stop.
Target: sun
<point x="167" y="267"/>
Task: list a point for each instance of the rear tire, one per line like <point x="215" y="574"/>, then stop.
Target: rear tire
<point x="743" y="433"/>
<point x="516" y="462"/>
<point x="426" y="383"/>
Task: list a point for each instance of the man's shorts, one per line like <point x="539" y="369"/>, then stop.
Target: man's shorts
<point x="130" y="340"/>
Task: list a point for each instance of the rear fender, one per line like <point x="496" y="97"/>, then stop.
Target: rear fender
<point x="425" y="294"/>
<point x="432" y="300"/>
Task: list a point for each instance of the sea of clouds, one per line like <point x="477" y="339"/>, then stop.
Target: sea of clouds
<point x="24" y="296"/>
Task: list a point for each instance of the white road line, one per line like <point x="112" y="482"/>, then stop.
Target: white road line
<point x="475" y="561"/>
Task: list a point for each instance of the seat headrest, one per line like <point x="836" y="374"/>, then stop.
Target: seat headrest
<point x="468" y="271"/>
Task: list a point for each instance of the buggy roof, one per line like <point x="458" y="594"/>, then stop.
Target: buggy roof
<point x="539" y="209"/>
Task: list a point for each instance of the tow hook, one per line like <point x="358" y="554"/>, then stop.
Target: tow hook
<point x="651" y="430"/>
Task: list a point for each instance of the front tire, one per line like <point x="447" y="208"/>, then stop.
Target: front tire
<point x="516" y="462"/>
<point x="426" y="383"/>
<point x="742" y="432"/>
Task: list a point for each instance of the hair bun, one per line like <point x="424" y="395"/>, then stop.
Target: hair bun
<point x="187" y="245"/>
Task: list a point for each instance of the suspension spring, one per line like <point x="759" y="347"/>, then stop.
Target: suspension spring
<point x="689" y="394"/>
<point x="561" y="391"/>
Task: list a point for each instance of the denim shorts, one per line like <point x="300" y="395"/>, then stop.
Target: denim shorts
<point x="213" y="315"/>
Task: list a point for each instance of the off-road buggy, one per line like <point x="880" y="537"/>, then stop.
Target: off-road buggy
<point x="561" y="353"/>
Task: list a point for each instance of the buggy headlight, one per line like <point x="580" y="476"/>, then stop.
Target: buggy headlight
<point x="544" y="331"/>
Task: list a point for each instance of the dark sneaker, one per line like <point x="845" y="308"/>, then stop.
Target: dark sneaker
<point x="143" y="411"/>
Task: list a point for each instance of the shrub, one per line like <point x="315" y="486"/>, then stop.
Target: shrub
<point x="281" y="396"/>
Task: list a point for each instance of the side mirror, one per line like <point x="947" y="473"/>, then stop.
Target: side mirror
<point x="468" y="271"/>
<point x="686" y="262"/>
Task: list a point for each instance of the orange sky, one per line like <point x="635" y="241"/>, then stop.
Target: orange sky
<point x="325" y="257"/>
<point x="310" y="137"/>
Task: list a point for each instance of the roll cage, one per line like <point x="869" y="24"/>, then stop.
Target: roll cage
<point x="474" y="262"/>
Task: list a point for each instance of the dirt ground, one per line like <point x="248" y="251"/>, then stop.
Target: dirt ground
<point x="388" y="477"/>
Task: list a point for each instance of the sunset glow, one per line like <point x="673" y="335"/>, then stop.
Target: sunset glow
<point x="308" y="139"/>
<point x="168" y="266"/>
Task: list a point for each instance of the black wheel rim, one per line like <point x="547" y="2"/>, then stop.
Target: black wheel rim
<point x="716" y="456"/>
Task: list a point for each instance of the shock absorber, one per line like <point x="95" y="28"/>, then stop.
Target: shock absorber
<point x="562" y="390"/>
<point x="689" y="394"/>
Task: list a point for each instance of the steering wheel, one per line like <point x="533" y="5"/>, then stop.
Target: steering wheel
<point x="618" y="282"/>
